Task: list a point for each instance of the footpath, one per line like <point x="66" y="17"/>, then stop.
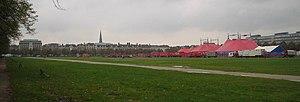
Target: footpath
<point x="4" y="82"/>
<point x="244" y="74"/>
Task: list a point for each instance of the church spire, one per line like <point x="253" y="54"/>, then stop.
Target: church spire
<point x="100" y="38"/>
<point x="228" y="37"/>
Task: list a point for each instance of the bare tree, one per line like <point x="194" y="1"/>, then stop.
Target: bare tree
<point x="57" y="5"/>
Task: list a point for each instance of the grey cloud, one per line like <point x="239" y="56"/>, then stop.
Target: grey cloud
<point x="147" y="21"/>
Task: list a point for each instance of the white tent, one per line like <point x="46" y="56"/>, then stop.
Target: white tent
<point x="267" y="48"/>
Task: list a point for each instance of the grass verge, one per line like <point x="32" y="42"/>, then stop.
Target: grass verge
<point x="87" y="82"/>
<point x="285" y="66"/>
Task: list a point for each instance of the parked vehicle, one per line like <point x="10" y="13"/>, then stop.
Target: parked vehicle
<point x="211" y="54"/>
<point x="291" y="53"/>
<point x="251" y="53"/>
<point x="233" y="54"/>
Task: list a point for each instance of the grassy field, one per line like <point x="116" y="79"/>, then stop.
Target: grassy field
<point x="288" y="66"/>
<point x="87" y="82"/>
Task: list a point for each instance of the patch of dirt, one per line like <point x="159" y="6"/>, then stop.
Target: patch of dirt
<point x="113" y="94"/>
<point x="5" y="89"/>
<point x="185" y="67"/>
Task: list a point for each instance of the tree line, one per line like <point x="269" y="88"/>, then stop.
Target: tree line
<point x="75" y="52"/>
<point x="14" y="16"/>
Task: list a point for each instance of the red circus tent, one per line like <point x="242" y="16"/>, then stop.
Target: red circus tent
<point x="237" y="45"/>
<point x="182" y="50"/>
<point x="206" y="47"/>
<point x="200" y="51"/>
<point x="190" y="49"/>
<point x="186" y="52"/>
<point x="231" y="47"/>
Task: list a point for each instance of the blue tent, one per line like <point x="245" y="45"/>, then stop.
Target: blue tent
<point x="273" y="51"/>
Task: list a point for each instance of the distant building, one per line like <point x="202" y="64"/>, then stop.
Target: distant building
<point x="30" y="44"/>
<point x="277" y="38"/>
<point x="56" y="49"/>
<point x="14" y="47"/>
<point x="70" y="46"/>
<point x="100" y="44"/>
<point x="52" y="46"/>
<point x="103" y="45"/>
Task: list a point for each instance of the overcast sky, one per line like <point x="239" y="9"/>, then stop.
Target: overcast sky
<point x="172" y="22"/>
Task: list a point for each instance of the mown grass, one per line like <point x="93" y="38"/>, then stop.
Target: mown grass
<point x="87" y="82"/>
<point x="288" y="66"/>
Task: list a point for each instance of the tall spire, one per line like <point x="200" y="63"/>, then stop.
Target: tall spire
<point x="100" y="38"/>
<point x="228" y="37"/>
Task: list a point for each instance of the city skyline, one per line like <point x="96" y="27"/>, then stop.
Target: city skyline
<point x="179" y="22"/>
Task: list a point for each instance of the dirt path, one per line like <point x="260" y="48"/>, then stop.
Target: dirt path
<point x="4" y="82"/>
<point x="245" y="74"/>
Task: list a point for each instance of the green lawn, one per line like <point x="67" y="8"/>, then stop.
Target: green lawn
<point x="87" y="82"/>
<point x="288" y="66"/>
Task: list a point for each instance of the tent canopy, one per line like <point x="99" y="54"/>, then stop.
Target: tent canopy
<point x="267" y="48"/>
<point x="206" y="47"/>
<point x="184" y="50"/>
<point x="277" y="48"/>
<point x="237" y="45"/>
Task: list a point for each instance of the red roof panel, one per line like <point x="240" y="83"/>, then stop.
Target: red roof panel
<point x="237" y="45"/>
<point x="206" y="47"/>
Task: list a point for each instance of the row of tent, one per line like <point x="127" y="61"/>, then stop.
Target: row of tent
<point x="153" y="54"/>
<point x="231" y="48"/>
